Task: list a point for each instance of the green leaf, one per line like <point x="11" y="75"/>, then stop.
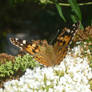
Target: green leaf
<point x="45" y="79"/>
<point x="20" y="63"/>
<point x="73" y="18"/>
<point x="60" y="11"/>
<point x="75" y="8"/>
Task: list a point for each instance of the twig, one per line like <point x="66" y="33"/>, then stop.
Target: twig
<point x="66" y="4"/>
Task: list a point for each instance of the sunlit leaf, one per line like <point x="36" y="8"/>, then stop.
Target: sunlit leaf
<point x="60" y="11"/>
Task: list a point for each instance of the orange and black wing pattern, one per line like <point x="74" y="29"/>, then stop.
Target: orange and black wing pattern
<point x="39" y="49"/>
<point x="44" y="53"/>
<point x="64" y="40"/>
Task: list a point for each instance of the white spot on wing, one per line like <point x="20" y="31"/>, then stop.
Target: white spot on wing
<point x="24" y="41"/>
<point x="72" y="31"/>
<point x="73" y="25"/>
<point x="68" y="30"/>
<point x="16" y="39"/>
<point x="21" y="44"/>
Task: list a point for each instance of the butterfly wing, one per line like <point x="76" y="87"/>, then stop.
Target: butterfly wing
<point x="44" y="53"/>
<point x="63" y="41"/>
<point x="40" y="50"/>
<point x="31" y="47"/>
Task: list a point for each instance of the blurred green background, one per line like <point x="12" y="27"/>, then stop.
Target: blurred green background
<point x="40" y="19"/>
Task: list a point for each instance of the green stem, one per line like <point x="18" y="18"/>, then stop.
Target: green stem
<point x="65" y="4"/>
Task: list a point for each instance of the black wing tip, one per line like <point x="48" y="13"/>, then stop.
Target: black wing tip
<point x="77" y="24"/>
<point x="12" y="39"/>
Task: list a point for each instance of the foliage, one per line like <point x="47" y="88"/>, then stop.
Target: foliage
<point x="75" y="15"/>
<point x="87" y="50"/>
<point x="20" y="63"/>
<point x="60" y="11"/>
<point x="75" y="7"/>
<point x="90" y="83"/>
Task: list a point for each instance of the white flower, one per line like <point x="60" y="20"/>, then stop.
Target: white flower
<point x="1" y="90"/>
<point x="58" y="88"/>
<point x="50" y="89"/>
<point x="72" y="75"/>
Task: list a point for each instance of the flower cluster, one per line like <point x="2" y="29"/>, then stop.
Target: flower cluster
<point x="72" y="75"/>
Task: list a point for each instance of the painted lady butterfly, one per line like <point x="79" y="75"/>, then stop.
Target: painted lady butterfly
<point x="45" y="53"/>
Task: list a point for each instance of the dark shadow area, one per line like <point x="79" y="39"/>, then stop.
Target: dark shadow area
<point x="32" y="21"/>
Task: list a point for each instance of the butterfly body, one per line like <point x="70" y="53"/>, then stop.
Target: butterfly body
<point x="44" y="53"/>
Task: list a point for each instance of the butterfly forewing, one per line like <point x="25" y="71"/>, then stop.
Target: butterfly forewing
<point x="63" y="41"/>
<point x="40" y="50"/>
<point x="29" y="46"/>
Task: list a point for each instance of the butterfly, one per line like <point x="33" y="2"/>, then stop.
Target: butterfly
<point x="44" y="53"/>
